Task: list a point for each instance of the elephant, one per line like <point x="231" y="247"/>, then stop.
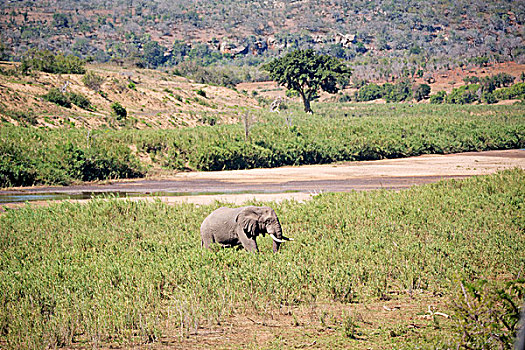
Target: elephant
<point x="232" y="227"/>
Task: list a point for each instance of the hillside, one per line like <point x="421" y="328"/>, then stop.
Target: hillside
<point x="153" y="99"/>
<point x="382" y="39"/>
<point x="160" y="100"/>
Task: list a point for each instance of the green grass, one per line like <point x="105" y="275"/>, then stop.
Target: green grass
<point x="113" y="271"/>
<point x="337" y="132"/>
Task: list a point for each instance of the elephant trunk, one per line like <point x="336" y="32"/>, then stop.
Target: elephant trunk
<point x="278" y="238"/>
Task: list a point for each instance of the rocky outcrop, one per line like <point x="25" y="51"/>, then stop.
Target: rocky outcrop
<point x="346" y="40"/>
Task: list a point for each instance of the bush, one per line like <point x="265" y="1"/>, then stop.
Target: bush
<point x="66" y="100"/>
<point x="30" y="156"/>
<point x="93" y="81"/>
<point x="46" y="61"/>
<point x="201" y="92"/>
<point x="56" y="96"/>
<point x="399" y="92"/>
<point x="22" y="117"/>
<point x="471" y="80"/>
<point x="119" y="111"/>
<point x="516" y="91"/>
<point x="421" y="92"/>
<point x="488" y="98"/>
<point x="438" y="98"/>
<point x="464" y="94"/>
<point x="80" y="100"/>
<point x="369" y="92"/>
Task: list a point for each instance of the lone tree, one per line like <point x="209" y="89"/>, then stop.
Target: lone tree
<point x="305" y="72"/>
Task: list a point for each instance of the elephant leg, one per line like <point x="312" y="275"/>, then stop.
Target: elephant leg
<point x="206" y="241"/>
<point x="248" y="243"/>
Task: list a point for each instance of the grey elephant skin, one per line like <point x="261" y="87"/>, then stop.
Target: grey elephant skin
<point x="232" y="227"/>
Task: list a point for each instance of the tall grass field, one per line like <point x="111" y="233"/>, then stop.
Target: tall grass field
<point x="132" y="272"/>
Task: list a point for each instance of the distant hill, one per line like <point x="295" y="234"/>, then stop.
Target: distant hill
<point x="152" y="99"/>
<point x="382" y="39"/>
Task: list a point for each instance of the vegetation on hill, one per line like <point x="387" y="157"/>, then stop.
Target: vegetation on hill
<point x="384" y="39"/>
<point x="356" y="132"/>
<point x="489" y="89"/>
<point x="118" y="273"/>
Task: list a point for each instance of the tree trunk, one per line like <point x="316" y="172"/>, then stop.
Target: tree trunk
<point x="306" y="102"/>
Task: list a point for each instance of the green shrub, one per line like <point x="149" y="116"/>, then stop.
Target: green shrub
<point x="464" y="94"/>
<point x="516" y="91"/>
<point x="79" y="100"/>
<point x="439" y="97"/>
<point x="56" y="96"/>
<point x="119" y="111"/>
<point x="67" y="99"/>
<point x="22" y="117"/>
<point x="201" y="92"/>
<point x="369" y="92"/>
<point x="16" y="169"/>
<point x="488" y="98"/>
<point x="31" y="156"/>
<point x="399" y="92"/>
<point x="46" y="61"/>
<point x="421" y="92"/>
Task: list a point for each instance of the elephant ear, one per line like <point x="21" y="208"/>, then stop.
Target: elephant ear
<point x="248" y="218"/>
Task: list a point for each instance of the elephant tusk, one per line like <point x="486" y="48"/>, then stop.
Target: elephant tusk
<point x="275" y="238"/>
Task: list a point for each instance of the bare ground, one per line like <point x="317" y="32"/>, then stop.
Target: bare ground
<point x="298" y="183"/>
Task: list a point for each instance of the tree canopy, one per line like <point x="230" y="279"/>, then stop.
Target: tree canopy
<point x="305" y="72"/>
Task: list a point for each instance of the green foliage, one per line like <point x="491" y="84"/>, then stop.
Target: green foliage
<point x="32" y="156"/>
<point x="46" y="61"/>
<point x="365" y="132"/>
<point x="201" y="92"/>
<point x="125" y="272"/>
<point x="152" y="54"/>
<point x="68" y="99"/>
<point x="516" y="91"/>
<point x="471" y="80"/>
<point x="61" y="20"/>
<point x="79" y="100"/>
<point x="488" y="98"/>
<point x="439" y="97"/>
<point x="56" y="96"/>
<point x="369" y="92"/>
<point x="305" y="72"/>
<point x="421" y="92"/>
<point x="487" y="313"/>
<point x="398" y="92"/>
<point x="119" y="111"/>
<point x="215" y="75"/>
<point x="485" y="90"/>
<point x="464" y="94"/>
<point x="24" y="118"/>
<point x="481" y="61"/>
<point x="93" y="81"/>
